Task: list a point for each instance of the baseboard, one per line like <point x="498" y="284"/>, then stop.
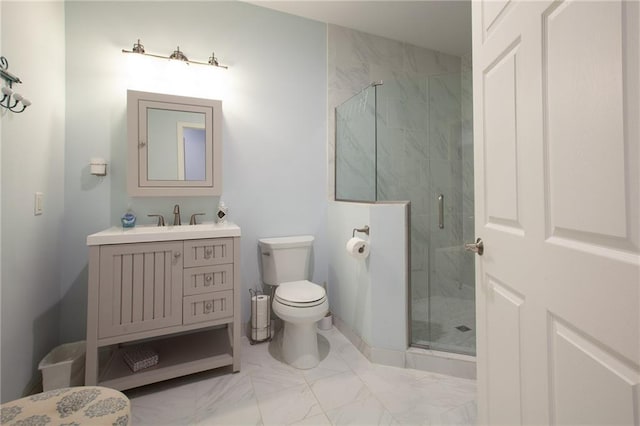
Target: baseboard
<point x="352" y="336"/>
<point x="388" y="357"/>
<point x="451" y="364"/>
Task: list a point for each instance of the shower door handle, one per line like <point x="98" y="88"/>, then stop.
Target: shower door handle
<point x="477" y="247"/>
<point x="441" y="211"/>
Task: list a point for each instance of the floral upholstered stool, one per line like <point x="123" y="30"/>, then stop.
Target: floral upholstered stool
<point x="83" y="405"/>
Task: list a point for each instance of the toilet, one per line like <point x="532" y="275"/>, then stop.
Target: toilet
<point x="299" y="303"/>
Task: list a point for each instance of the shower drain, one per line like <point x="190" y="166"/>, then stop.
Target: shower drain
<point x="463" y="328"/>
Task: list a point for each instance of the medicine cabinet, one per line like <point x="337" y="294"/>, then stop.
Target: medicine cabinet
<point x="174" y="145"/>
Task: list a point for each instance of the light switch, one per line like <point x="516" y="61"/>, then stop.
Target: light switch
<point x="38" y="204"/>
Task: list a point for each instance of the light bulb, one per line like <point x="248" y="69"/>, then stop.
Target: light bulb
<point x="7" y="90"/>
<point x="26" y="102"/>
<point x="18" y="97"/>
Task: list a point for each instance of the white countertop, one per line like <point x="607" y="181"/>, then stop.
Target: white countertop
<point x="151" y="233"/>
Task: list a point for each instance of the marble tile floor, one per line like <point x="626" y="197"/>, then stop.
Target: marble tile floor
<point x="345" y="389"/>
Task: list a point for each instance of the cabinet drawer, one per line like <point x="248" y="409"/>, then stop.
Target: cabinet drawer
<point x="213" y="251"/>
<point x="205" y="279"/>
<point x="207" y="307"/>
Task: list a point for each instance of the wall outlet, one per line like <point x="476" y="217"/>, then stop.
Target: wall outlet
<point x="38" y="204"/>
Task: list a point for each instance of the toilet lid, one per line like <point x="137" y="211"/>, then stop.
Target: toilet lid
<point x="300" y="292"/>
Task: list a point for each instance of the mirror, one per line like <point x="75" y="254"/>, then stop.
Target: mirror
<point x="174" y="145"/>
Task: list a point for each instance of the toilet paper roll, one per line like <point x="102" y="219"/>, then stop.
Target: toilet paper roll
<point x="259" y="333"/>
<point x="358" y="248"/>
<point x="259" y="311"/>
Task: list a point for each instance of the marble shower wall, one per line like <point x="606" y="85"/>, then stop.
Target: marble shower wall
<point x="356" y="59"/>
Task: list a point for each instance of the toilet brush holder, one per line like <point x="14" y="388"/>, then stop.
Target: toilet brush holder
<point x="326" y="322"/>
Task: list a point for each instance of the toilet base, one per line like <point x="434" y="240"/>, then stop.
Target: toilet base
<point x="300" y="345"/>
<point x="300" y="338"/>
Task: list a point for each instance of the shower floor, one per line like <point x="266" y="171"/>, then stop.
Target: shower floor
<point x="443" y="329"/>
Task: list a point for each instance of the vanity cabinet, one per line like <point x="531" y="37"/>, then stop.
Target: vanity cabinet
<point x="178" y="297"/>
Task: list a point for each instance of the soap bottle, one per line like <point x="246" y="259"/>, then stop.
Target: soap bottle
<point x="221" y="215"/>
<point x="128" y="219"/>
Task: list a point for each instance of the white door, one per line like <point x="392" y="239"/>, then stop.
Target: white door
<point x="556" y="111"/>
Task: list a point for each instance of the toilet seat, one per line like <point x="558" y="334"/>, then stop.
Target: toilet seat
<point x="300" y="294"/>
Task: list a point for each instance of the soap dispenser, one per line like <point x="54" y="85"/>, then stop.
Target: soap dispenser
<point x="221" y="215"/>
<point x="128" y="219"/>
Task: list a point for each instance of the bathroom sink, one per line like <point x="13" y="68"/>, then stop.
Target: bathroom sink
<point x="150" y="233"/>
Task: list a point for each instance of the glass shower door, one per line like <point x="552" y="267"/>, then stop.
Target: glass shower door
<point x="451" y="298"/>
<point x="356" y="148"/>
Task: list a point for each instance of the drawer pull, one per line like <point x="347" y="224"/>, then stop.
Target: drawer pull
<point x="208" y="306"/>
<point x="207" y="253"/>
<point x="177" y="254"/>
<point x="208" y="280"/>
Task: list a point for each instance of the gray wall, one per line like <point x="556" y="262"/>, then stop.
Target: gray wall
<point x="32" y="161"/>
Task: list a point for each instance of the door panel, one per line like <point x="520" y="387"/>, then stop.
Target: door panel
<point x="606" y="384"/>
<point x="584" y="133"/>
<point x="492" y="11"/>
<point x="501" y="181"/>
<point x="504" y="329"/>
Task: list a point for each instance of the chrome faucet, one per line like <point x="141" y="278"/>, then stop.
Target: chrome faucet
<point x="193" y="220"/>
<point x="160" y="218"/>
<point x="176" y="215"/>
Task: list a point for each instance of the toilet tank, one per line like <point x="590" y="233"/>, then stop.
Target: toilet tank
<point x="285" y="259"/>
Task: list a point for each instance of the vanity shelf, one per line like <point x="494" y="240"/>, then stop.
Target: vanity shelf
<point x="178" y="356"/>
<point x="175" y="290"/>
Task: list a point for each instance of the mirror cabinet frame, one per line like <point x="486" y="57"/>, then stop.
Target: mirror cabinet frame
<point x="138" y="183"/>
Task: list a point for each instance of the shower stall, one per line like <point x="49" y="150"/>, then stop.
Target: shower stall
<point x="410" y="139"/>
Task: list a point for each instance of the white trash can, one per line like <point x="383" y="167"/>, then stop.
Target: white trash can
<point x="325" y="323"/>
<point x="63" y="366"/>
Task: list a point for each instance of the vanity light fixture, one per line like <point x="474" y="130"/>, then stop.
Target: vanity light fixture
<point x="19" y="103"/>
<point x="177" y="55"/>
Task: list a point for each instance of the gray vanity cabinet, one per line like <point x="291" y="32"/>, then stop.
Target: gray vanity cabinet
<point x="179" y="298"/>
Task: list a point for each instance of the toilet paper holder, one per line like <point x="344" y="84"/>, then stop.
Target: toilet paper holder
<point x="256" y="333"/>
<point x="364" y="230"/>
